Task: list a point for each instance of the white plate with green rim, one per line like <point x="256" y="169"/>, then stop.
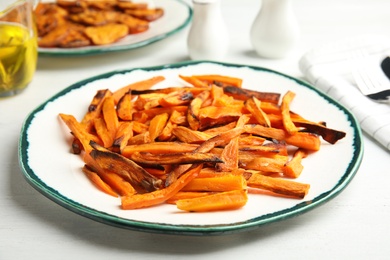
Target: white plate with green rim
<point x="50" y="167"/>
<point x="177" y="15"/>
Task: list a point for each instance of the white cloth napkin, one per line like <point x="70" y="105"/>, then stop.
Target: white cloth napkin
<point x="329" y="68"/>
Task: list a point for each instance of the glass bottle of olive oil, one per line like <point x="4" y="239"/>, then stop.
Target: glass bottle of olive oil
<point x="18" y="46"/>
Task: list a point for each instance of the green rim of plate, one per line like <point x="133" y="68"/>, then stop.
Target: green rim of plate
<point x="116" y="48"/>
<point x="106" y="218"/>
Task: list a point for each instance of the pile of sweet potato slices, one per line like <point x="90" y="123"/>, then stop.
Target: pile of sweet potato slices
<point x="202" y="146"/>
<point x="80" y="23"/>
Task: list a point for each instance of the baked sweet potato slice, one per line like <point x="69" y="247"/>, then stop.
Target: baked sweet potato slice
<point x="134" y="25"/>
<point x="149" y="15"/>
<point x="107" y="33"/>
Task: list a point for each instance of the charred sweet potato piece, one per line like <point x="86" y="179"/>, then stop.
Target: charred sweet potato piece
<point x="138" y="177"/>
<point x="328" y="134"/>
<point x="244" y="94"/>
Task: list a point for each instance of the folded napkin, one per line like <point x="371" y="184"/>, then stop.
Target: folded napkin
<point x="329" y="68"/>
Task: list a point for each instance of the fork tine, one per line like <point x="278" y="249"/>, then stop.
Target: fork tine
<point x="367" y="78"/>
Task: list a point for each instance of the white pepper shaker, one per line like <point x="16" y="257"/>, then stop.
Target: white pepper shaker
<point x="275" y="30"/>
<point x="208" y="37"/>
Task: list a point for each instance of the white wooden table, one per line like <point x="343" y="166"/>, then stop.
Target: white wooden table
<point x="355" y="224"/>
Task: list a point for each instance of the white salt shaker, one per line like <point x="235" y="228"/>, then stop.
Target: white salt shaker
<point x="208" y="37"/>
<point x="275" y="30"/>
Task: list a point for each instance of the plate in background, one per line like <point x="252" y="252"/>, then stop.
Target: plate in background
<point x="177" y="15"/>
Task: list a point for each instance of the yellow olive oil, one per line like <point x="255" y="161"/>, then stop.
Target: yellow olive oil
<point x="18" y="57"/>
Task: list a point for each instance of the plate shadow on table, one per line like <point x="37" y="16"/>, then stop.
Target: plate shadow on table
<point x="38" y="207"/>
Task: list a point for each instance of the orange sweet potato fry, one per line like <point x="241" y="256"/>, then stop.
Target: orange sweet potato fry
<point x="110" y="116"/>
<point x="139" y="85"/>
<point x="220" y="79"/>
<point x="186" y="135"/>
<point x="264" y="164"/>
<point x="188" y="195"/>
<point x="225" y="182"/>
<point x="124" y="133"/>
<point x="305" y="140"/>
<point x="79" y="131"/>
<point x="95" y="108"/>
<point x="254" y="106"/>
<point x="229" y="156"/>
<point x="294" y="167"/>
<point x="194" y="109"/>
<point x="159" y="148"/>
<point x="159" y="196"/>
<point x="279" y="185"/>
<point x="124" y="107"/>
<point x="195" y="82"/>
<point x="157" y="125"/>
<point x="98" y="182"/>
<point x="176" y="98"/>
<point x="285" y="107"/>
<point x="228" y="200"/>
<point x="103" y="133"/>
